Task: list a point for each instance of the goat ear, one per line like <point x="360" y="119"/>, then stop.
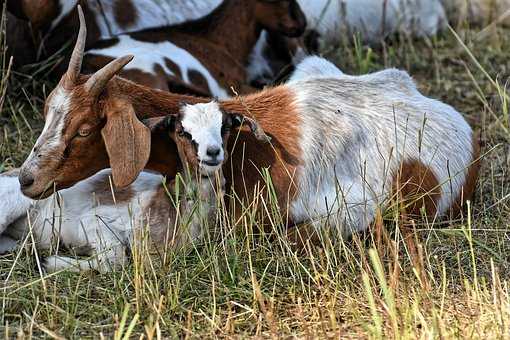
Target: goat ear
<point x="238" y="120"/>
<point x="161" y="124"/>
<point x="127" y="140"/>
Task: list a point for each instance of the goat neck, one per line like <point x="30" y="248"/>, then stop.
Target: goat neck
<point x="217" y="28"/>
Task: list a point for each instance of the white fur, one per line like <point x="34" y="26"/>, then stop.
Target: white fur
<point x="356" y="132"/>
<point x="203" y="122"/>
<point x="51" y="136"/>
<point x="150" y="14"/>
<point x="314" y="67"/>
<point x="149" y="55"/>
<point x="334" y="18"/>
<point x="13" y="204"/>
<point x="77" y="219"/>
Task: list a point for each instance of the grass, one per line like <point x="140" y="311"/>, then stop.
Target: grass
<point x="246" y="286"/>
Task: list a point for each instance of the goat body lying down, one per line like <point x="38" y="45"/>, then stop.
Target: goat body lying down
<point x="91" y="219"/>
<point x="373" y="20"/>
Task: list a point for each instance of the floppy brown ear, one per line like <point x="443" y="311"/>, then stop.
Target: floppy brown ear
<point x="239" y="120"/>
<point x="127" y="140"/>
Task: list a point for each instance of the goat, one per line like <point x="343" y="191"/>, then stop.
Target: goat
<point x="206" y="56"/>
<point x="364" y="142"/>
<point x="361" y="139"/>
<point x="373" y="19"/>
<point x="93" y="220"/>
<point x="53" y="22"/>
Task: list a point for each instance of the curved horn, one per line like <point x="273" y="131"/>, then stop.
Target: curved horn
<point x="97" y="82"/>
<point x="73" y="71"/>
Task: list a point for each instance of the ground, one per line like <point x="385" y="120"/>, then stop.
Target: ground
<point x="246" y="286"/>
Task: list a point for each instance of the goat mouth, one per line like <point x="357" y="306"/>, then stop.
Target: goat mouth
<point x="211" y="163"/>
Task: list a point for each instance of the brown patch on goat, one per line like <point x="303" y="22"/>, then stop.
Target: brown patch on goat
<point x="416" y="187"/>
<point x="469" y="186"/>
<point x="278" y="117"/>
<point x="145" y="78"/>
<point x="176" y="70"/>
<point x="104" y="194"/>
<point x="224" y="58"/>
<point x="124" y="13"/>
<point x="162" y="216"/>
<point x="38" y="12"/>
<point x="198" y="80"/>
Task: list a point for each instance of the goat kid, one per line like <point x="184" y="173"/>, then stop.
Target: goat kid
<point x="359" y="143"/>
<point x="203" y="57"/>
<point x="94" y="220"/>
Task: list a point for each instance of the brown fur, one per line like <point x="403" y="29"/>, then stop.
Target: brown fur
<point x="212" y="42"/>
<point x="416" y="187"/>
<point x="147" y="79"/>
<point x="198" y="80"/>
<point x="161" y="214"/>
<point x="127" y="142"/>
<point x="274" y="110"/>
<point x="124" y="13"/>
<point x="38" y="12"/>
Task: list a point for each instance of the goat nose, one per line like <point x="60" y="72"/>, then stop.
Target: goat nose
<point x="25" y="180"/>
<point x="213" y="151"/>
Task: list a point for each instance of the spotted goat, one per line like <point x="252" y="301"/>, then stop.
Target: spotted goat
<point x="205" y="57"/>
<point x="46" y="25"/>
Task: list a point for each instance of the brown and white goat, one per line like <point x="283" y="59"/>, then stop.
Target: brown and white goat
<point x="53" y="22"/>
<point x="50" y="24"/>
<point x="92" y="219"/>
<point x="340" y="145"/>
<point x="205" y="56"/>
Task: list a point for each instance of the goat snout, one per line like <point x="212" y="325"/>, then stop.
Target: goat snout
<point x="26" y="179"/>
<point x="213" y="151"/>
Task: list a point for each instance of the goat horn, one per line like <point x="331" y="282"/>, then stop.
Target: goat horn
<point x="97" y="82"/>
<point x="73" y="71"/>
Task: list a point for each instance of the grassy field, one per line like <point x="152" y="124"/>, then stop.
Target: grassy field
<point x="244" y="286"/>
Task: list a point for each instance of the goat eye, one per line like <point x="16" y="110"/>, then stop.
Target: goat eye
<point x="225" y="129"/>
<point x="83" y="132"/>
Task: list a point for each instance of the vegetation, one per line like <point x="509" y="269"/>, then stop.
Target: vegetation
<point x="244" y="285"/>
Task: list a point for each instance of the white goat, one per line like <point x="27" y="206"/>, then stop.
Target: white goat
<point x="332" y="19"/>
